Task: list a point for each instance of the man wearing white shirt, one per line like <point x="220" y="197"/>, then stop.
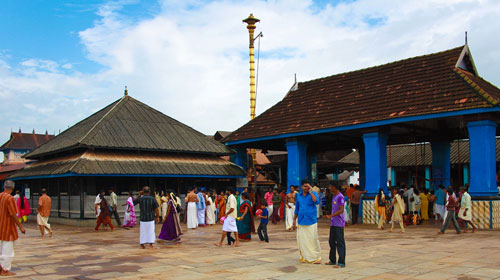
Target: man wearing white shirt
<point x="230" y="219"/>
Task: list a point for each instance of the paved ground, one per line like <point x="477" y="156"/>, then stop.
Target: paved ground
<point x="79" y="253"/>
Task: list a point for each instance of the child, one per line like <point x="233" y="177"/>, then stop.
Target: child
<point x="264" y="219"/>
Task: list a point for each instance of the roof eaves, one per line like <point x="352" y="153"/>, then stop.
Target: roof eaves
<point x="476" y="87"/>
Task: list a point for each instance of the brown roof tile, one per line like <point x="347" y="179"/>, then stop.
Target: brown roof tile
<point x="415" y="86"/>
<point x="26" y="141"/>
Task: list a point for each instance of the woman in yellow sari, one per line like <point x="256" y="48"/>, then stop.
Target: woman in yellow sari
<point x="424" y="206"/>
<point x="380" y="207"/>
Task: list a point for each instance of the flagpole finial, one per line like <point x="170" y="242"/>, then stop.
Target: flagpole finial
<point x="126" y="91"/>
<point x="466" y="37"/>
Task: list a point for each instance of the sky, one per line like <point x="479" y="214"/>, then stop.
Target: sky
<point x="61" y="61"/>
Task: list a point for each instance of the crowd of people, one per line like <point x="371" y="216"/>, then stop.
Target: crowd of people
<point x="300" y="207"/>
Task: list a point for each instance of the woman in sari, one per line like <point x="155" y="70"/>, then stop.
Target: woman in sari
<point x="380" y="207"/>
<point x="399" y="208"/>
<point x="424" y="206"/>
<point x="105" y="215"/>
<point x="222" y="205"/>
<point x="245" y="222"/>
<point x="23" y="207"/>
<point x="171" y="229"/>
<point x="129" y="220"/>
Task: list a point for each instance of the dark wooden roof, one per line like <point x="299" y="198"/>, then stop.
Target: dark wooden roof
<point x="435" y="83"/>
<point x="409" y="155"/>
<point x="25" y="141"/>
<point x="129" y="163"/>
<point x="130" y="124"/>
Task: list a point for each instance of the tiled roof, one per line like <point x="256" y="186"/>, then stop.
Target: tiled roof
<point x="128" y="163"/>
<point x="411" y="87"/>
<point x="409" y="155"/>
<point x="132" y="125"/>
<point x="25" y="141"/>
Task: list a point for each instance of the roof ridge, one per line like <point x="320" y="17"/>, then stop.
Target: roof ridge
<point x="477" y="88"/>
<point x="385" y="64"/>
<point x="100" y="120"/>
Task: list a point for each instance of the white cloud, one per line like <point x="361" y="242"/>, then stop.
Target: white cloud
<point x="191" y="60"/>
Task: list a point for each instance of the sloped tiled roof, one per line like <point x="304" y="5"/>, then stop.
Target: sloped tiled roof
<point x="130" y="124"/>
<point x="416" y="86"/>
<point x="409" y="155"/>
<point x="127" y="163"/>
<point x="25" y="141"/>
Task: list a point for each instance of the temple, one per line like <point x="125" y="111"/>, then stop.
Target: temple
<point x="124" y="146"/>
<point x="436" y="99"/>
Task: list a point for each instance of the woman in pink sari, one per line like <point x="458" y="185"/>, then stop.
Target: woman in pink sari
<point x="129" y="220"/>
<point x="23" y="208"/>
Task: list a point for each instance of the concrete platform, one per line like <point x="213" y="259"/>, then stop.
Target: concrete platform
<point x="80" y="253"/>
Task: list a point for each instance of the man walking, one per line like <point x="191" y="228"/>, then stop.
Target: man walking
<point x="8" y="231"/>
<point x="191" y="209"/>
<point x="113" y="202"/>
<point x="42" y="218"/>
<point x="336" y="240"/>
<point x="465" y="212"/>
<point x="450" y="216"/>
<point x="307" y="230"/>
<point x="149" y="214"/>
<point x="230" y="220"/>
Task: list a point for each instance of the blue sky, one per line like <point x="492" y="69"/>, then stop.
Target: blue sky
<point x="60" y="61"/>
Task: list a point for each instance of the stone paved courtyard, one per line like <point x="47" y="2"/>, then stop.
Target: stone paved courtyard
<point x="79" y="253"/>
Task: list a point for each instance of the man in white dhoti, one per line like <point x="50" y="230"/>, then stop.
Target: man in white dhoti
<point x="465" y="212"/>
<point x="210" y="210"/>
<point x="230" y="220"/>
<point x="42" y="217"/>
<point x="307" y="230"/>
<point x="149" y="214"/>
<point x="192" y="212"/>
<point x="201" y="207"/>
<point x="290" y="208"/>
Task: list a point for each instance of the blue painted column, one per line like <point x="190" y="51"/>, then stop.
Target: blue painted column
<point x="362" y="169"/>
<point x="482" y="149"/>
<point x="427" y="178"/>
<point x="375" y="162"/>
<point x="297" y="162"/>
<point x="466" y="174"/>
<point x="240" y="158"/>
<point x="440" y="164"/>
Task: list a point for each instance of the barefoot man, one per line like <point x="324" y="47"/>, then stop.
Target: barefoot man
<point x="149" y="214"/>
<point x="8" y="231"/>
<point x="230" y="219"/>
<point x="290" y="208"/>
<point x="307" y="230"/>
<point x="42" y="218"/>
<point x="191" y="209"/>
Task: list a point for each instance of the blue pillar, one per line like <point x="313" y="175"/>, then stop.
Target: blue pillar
<point x="297" y="162"/>
<point x="427" y="178"/>
<point x="393" y="177"/>
<point x="440" y="164"/>
<point x="466" y="174"/>
<point x="482" y="150"/>
<point x="375" y="162"/>
<point x="362" y="169"/>
<point x="240" y="158"/>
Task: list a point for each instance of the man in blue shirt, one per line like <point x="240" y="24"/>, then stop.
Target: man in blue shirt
<point x="307" y="230"/>
<point x="440" y="202"/>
